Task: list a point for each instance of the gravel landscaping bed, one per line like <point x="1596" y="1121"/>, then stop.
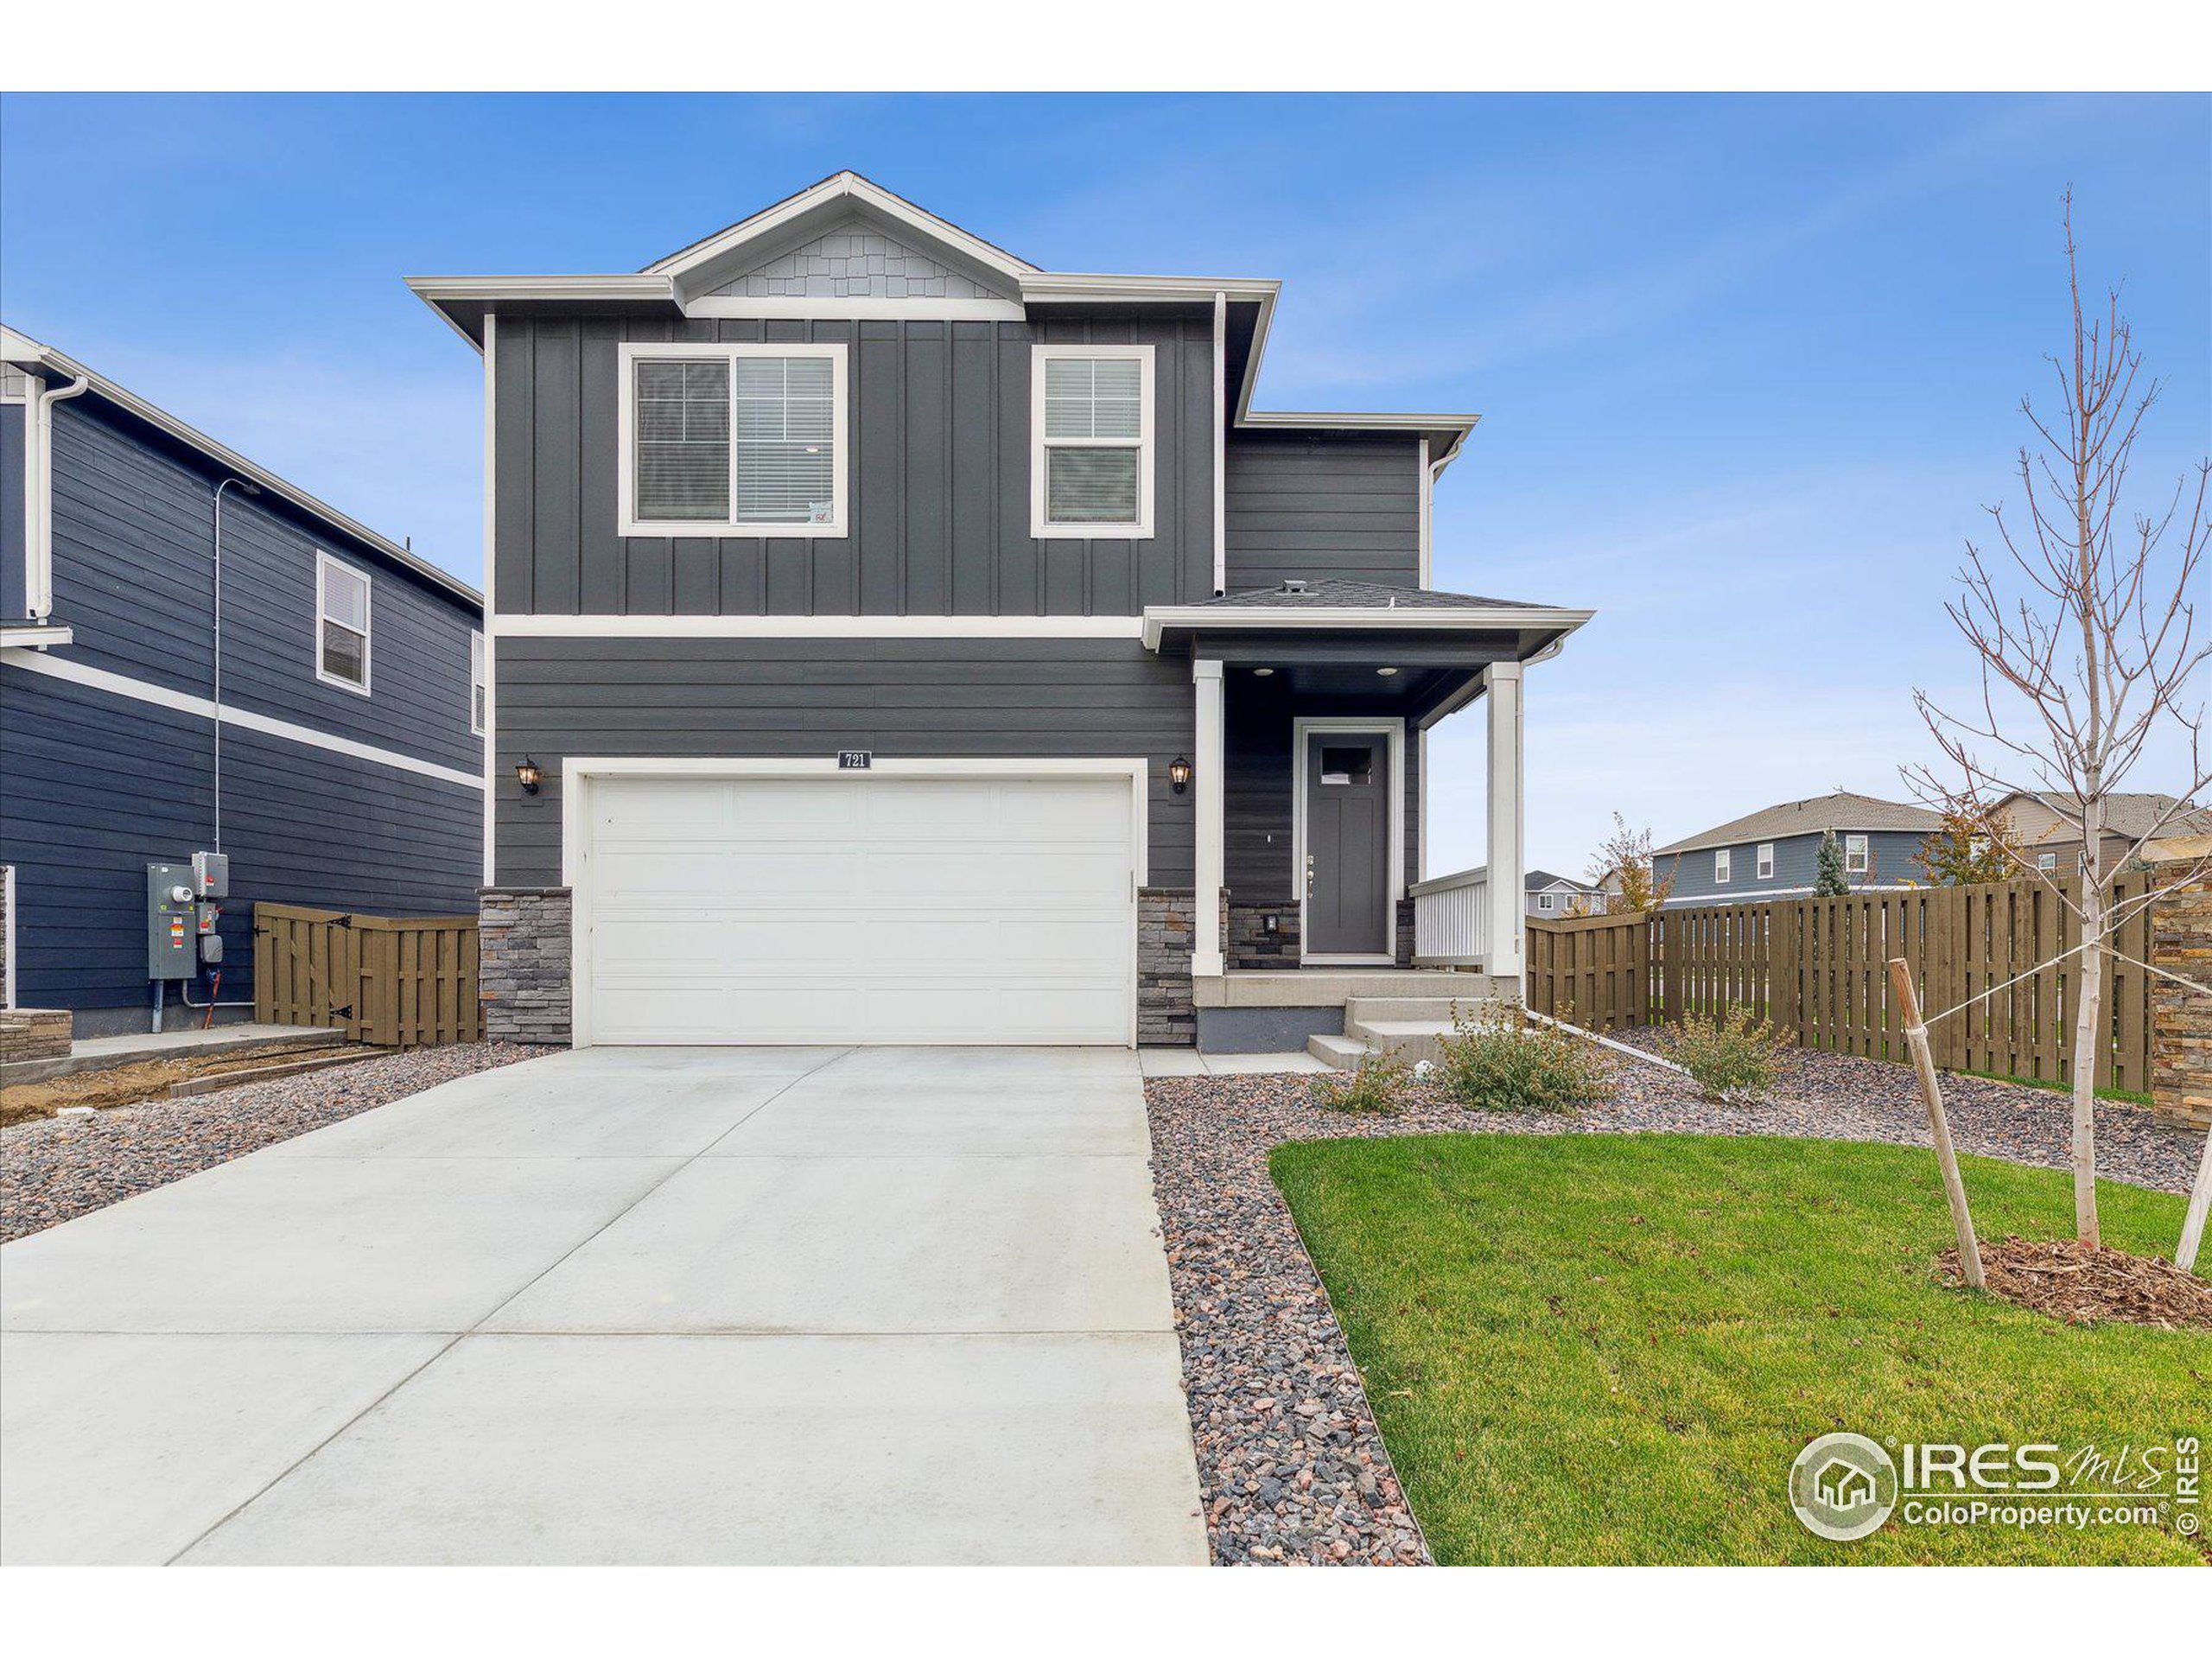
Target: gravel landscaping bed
<point x="1290" y="1465"/>
<point x="55" y="1168"/>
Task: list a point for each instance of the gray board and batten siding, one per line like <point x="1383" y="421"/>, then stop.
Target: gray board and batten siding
<point x="938" y="478"/>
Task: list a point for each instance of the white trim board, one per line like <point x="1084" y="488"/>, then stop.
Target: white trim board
<point x="490" y="600"/>
<point x="578" y="772"/>
<point x="542" y="625"/>
<point x="1394" y="727"/>
<point x="183" y="703"/>
<point x="1214" y="618"/>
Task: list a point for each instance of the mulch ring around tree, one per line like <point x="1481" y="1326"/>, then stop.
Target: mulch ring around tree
<point x="2085" y="1284"/>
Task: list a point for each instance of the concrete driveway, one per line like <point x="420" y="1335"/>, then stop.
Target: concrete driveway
<point x="625" y="1306"/>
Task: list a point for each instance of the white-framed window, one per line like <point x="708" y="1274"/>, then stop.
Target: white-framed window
<point x="1766" y="861"/>
<point x="1854" y="855"/>
<point x="1544" y="901"/>
<point x="732" y="440"/>
<point x="341" y="624"/>
<point x="479" y="692"/>
<point x="1091" y="440"/>
<point x="2046" y="860"/>
<point x="1720" y="868"/>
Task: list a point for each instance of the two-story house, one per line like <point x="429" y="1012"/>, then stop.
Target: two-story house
<point x="894" y="641"/>
<point x="198" y="656"/>
<point x="1775" y="852"/>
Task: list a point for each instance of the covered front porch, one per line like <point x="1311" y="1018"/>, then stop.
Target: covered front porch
<point x="1314" y="703"/>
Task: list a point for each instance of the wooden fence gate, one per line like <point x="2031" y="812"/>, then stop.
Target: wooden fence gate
<point x="391" y="982"/>
<point x="1817" y="968"/>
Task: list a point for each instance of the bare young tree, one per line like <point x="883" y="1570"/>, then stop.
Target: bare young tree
<point x="2087" y="638"/>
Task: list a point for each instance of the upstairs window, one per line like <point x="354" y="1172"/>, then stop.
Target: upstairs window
<point x="732" y="440"/>
<point x="341" y="624"/>
<point x="1766" y="861"/>
<point x="1091" y="440"/>
<point x="1545" y="901"/>
<point x="1854" y="855"/>
<point x="1720" y="868"/>
<point x="479" y="693"/>
<point x="2046" y="860"/>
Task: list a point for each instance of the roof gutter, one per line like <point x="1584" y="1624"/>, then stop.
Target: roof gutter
<point x="1275" y="618"/>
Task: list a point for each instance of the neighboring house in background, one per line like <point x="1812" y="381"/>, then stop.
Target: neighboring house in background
<point x="1549" y="897"/>
<point x="345" y="770"/>
<point x="1772" y="852"/>
<point x="918" y="645"/>
<point x="2052" y="844"/>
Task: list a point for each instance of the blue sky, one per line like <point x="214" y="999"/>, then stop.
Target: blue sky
<point x="1749" y="366"/>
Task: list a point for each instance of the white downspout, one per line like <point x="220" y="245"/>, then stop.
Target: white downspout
<point x="38" y="557"/>
<point x="1220" y="443"/>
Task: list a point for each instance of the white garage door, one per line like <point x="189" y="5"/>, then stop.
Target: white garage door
<point x="860" y="910"/>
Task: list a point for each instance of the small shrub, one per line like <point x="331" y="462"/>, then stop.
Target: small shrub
<point x="1731" y="1056"/>
<point x="1377" y="1085"/>
<point x="1500" y="1060"/>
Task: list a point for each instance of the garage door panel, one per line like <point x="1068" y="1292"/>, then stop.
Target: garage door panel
<point x="861" y="910"/>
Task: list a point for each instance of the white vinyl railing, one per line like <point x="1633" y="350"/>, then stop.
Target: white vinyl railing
<point x="1451" y="918"/>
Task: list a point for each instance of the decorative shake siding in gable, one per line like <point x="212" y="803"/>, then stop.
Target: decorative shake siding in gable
<point x="856" y="261"/>
<point x="938" y="470"/>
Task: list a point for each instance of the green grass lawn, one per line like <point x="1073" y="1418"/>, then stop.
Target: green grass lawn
<point x="1609" y="1349"/>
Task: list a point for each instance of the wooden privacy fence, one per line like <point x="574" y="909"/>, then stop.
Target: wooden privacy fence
<point x="1817" y="968"/>
<point x="392" y="981"/>
<point x="1593" y="971"/>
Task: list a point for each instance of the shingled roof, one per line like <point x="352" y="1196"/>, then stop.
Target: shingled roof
<point x="1841" y="811"/>
<point x="1359" y="596"/>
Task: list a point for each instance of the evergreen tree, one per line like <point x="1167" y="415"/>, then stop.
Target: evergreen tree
<point x="1828" y="879"/>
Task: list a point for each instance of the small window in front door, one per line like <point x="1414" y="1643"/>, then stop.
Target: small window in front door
<point x="1349" y="765"/>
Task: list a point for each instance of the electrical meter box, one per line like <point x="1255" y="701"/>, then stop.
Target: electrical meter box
<point x="172" y="922"/>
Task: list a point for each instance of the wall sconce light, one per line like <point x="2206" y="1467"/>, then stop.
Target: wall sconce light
<point x="528" y="775"/>
<point x="1178" y="773"/>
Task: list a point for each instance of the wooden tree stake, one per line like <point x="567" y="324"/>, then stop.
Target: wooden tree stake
<point x="1939" y="1127"/>
<point x="2200" y="1200"/>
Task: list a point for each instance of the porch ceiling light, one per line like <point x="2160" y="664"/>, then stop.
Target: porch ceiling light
<point x="1261" y="673"/>
<point x="528" y="775"/>
<point x="1386" y="672"/>
<point x="1178" y="773"/>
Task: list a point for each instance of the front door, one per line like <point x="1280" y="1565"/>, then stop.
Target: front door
<point x="1347" y="844"/>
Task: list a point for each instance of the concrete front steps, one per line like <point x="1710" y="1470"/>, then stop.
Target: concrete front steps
<point x="1411" y="1029"/>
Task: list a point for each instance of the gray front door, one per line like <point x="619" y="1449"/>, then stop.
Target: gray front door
<point x="1347" y="844"/>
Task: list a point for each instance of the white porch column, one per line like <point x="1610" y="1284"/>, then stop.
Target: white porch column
<point x="1209" y="765"/>
<point x="1507" y="858"/>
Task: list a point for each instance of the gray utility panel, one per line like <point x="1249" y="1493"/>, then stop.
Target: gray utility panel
<point x="172" y="922"/>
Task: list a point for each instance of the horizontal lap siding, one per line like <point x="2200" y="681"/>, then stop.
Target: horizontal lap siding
<point x="134" y="579"/>
<point x="1259" y="835"/>
<point x="1320" y="507"/>
<point x="120" y="785"/>
<point x="792" y="699"/>
<point x="1795" y="866"/>
<point x="938" y="479"/>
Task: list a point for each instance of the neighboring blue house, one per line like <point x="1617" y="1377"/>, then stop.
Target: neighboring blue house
<point x="1772" y="853"/>
<point x="345" y="770"/>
